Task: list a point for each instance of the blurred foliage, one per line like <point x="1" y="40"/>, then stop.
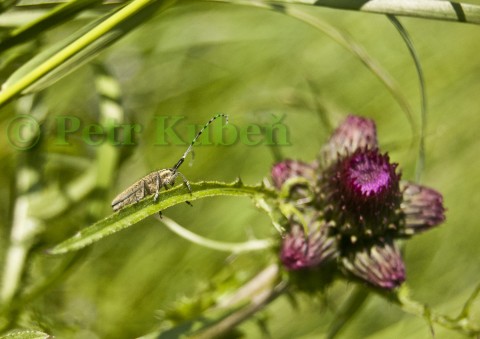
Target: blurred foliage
<point x="195" y="59"/>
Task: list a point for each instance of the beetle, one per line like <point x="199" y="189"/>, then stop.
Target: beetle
<point x="153" y="182"/>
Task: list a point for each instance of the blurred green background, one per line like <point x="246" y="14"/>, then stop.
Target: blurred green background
<point x="199" y="59"/>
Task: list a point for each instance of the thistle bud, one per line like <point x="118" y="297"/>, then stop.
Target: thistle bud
<point x="381" y="265"/>
<point x="423" y="208"/>
<point x="301" y="251"/>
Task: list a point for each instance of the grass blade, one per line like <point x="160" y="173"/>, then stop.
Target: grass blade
<point x="55" y="63"/>
<point x="423" y="94"/>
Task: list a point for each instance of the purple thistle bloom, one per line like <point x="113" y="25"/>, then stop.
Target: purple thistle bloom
<point x="368" y="175"/>
<point x="360" y="195"/>
<point x="363" y="194"/>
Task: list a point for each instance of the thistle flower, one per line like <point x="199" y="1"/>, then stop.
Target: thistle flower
<point x="360" y="195"/>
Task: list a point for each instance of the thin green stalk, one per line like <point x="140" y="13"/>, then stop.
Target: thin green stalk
<point x="248" y="246"/>
<point x="461" y="323"/>
<point x="423" y="95"/>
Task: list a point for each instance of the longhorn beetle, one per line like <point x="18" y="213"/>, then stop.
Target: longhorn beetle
<point x="153" y="182"/>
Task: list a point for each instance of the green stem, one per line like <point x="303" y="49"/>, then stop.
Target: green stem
<point x="423" y="94"/>
<point x="248" y="246"/>
<point x="460" y="324"/>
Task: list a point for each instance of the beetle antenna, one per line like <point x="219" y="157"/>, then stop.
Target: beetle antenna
<point x="189" y="149"/>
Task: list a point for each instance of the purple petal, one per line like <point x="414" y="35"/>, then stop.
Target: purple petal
<point x="423" y="208"/>
<point x="367" y="173"/>
<point x="354" y="133"/>
<point x="380" y="265"/>
<point x="361" y="194"/>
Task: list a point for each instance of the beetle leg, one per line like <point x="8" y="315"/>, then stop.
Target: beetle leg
<point x="157" y="187"/>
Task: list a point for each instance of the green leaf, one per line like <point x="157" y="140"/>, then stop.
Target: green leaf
<point x="132" y="214"/>
<point x="61" y="59"/>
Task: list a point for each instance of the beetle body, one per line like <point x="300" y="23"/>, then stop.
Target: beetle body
<point x="148" y="185"/>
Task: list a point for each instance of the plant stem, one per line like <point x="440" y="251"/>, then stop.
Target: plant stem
<point x="460" y="324"/>
<point x="248" y="246"/>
